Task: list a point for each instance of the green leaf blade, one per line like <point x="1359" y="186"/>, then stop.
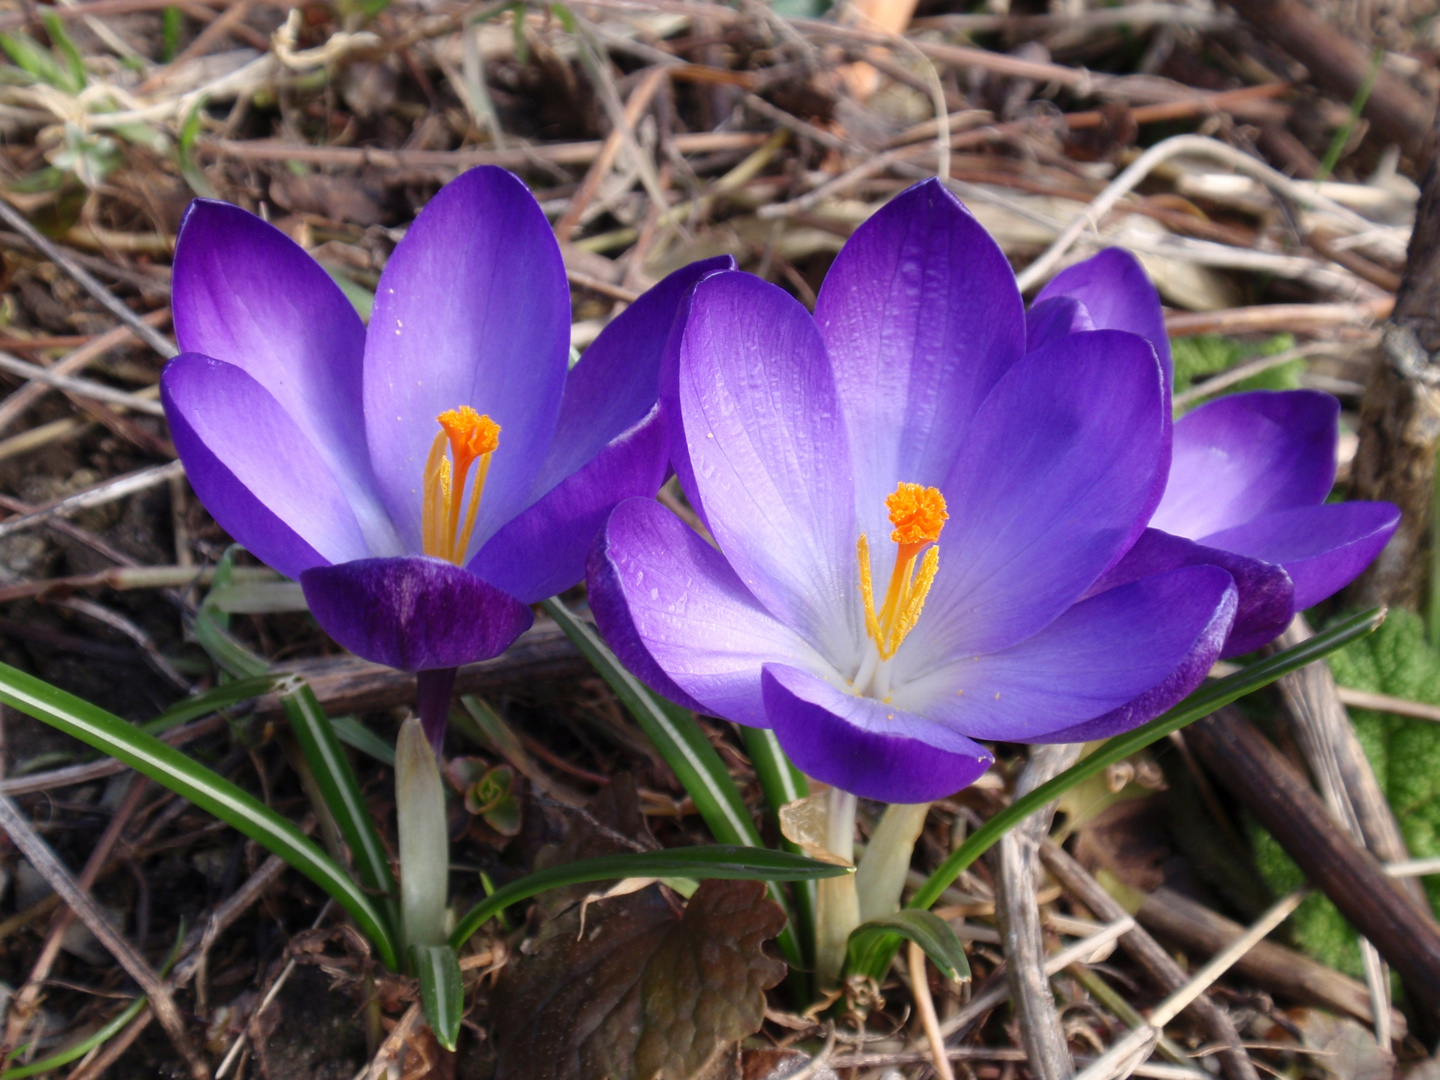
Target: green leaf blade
<point x="723" y="861"/>
<point x="340" y="789"/>
<point x="682" y="744"/>
<point x="442" y="994"/>
<point x="924" y="928"/>
<point x="167" y="766"/>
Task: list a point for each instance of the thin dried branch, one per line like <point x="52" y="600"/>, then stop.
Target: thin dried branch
<point x="24" y="837"/>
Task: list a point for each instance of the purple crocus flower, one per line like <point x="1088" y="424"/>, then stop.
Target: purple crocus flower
<point x="430" y="478"/>
<point x="909" y="508"/>
<point x="1249" y="475"/>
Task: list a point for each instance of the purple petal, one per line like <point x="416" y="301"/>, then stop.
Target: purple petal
<point x="413" y="613"/>
<point x="1323" y="548"/>
<point x="247" y="294"/>
<point x="617" y="381"/>
<point x="1187" y="675"/>
<point x="1101" y="655"/>
<point x="667" y="600"/>
<point x="1244" y="455"/>
<point x="473" y="309"/>
<point x="1266" y="594"/>
<point x="1052" y="487"/>
<point x="1058" y="317"/>
<point x="1117" y="295"/>
<point x="921" y="316"/>
<point x="254" y="469"/>
<point x="767" y="443"/>
<point x="864" y="746"/>
<point x="542" y="552"/>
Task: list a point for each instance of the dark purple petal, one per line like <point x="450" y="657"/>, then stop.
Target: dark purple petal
<point x="1053" y="485"/>
<point x="542" y="552"/>
<point x="864" y="746"/>
<point x="1187" y="675"/>
<point x="921" y="316"/>
<point x="1266" y="594"/>
<point x="617" y="381"/>
<point x="1099" y="656"/>
<point x="1058" y="317"/>
<point x="667" y="600"/>
<point x="254" y="469"/>
<point x="767" y="443"/>
<point x="1117" y="295"/>
<point x="247" y="294"/>
<point x="413" y="613"/>
<point x="1323" y="548"/>
<point x="1244" y="455"/>
<point x="473" y="309"/>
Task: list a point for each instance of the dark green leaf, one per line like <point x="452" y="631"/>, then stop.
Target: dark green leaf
<point x="709" y="861"/>
<point x="925" y="928"/>
<point x="340" y="790"/>
<point x="222" y="697"/>
<point x="442" y="995"/>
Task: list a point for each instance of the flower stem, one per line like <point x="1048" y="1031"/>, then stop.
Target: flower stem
<point x="432" y="701"/>
<point x="880" y="877"/>
<point x="837" y="905"/>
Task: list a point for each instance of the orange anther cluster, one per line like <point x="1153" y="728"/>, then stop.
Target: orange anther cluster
<point x="918" y="514"/>
<point x="446" y="522"/>
<point x="471" y="434"/>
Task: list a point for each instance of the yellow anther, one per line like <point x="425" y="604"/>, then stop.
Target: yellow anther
<point x="472" y="438"/>
<point x="867" y="590"/>
<point x="918" y="514"/>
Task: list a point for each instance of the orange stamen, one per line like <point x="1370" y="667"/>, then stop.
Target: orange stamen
<point x="918" y="514"/>
<point x="472" y="437"/>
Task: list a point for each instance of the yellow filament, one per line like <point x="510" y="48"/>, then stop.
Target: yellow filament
<point x="472" y="437"/>
<point x="918" y="514"/>
<point x="914" y="599"/>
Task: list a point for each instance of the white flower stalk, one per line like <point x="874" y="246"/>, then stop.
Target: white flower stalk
<point x="424" y="843"/>
<point x="880" y="877"/>
<point x="824" y="827"/>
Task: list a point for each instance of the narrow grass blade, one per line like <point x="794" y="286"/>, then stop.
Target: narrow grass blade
<point x="684" y="747"/>
<point x="442" y="995"/>
<point x="167" y="766"/>
<point x="925" y="928"/>
<point x="1202" y="703"/>
<point x="340" y="790"/>
<point x="357" y="736"/>
<point x="673" y="731"/>
<point x="232" y="657"/>
<point x="708" y="861"/>
<point x="783" y="783"/>
<point x="222" y="697"/>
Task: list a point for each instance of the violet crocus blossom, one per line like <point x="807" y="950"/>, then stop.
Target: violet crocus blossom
<point x="355" y="460"/>
<point x="1249" y="474"/>
<point x="908" y="507"/>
